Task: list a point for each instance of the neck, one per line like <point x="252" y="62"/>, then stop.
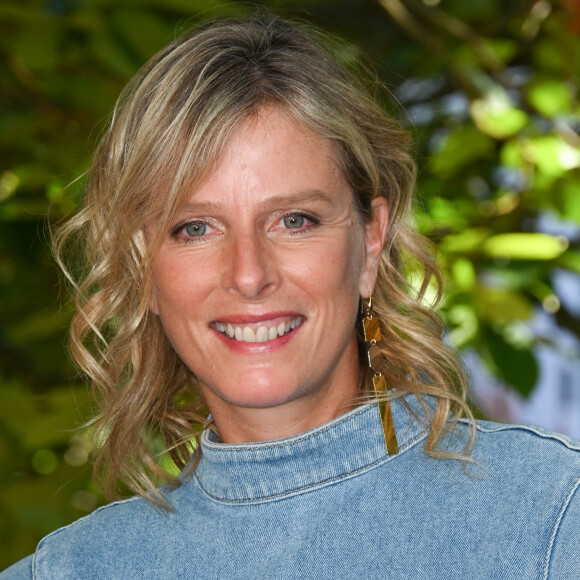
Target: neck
<point x="240" y="424"/>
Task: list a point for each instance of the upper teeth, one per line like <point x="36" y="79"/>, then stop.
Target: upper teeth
<point x="261" y="334"/>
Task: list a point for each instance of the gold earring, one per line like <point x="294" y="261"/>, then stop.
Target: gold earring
<point x="372" y="335"/>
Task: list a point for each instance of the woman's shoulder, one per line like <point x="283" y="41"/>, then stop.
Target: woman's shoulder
<point x="129" y="527"/>
<point x="22" y="570"/>
<point x="508" y="465"/>
<point x="523" y="452"/>
<point x="530" y="432"/>
<point x="539" y="471"/>
<point x="117" y="527"/>
<point x="518" y="444"/>
<point x="505" y="446"/>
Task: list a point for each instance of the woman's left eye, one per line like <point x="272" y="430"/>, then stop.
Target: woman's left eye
<point x="295" y="221"/>
<point x="298" y="222"/>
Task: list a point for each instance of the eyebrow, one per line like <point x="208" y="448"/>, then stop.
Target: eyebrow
<point x="294" y="199"/>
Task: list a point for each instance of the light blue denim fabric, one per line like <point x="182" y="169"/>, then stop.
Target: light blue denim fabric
<point x="330" y="503"/>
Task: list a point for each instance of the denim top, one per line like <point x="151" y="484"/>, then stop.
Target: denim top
<point x="330" y="503"/>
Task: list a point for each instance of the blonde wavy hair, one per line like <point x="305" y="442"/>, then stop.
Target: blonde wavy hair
<point x="169" y="125"/>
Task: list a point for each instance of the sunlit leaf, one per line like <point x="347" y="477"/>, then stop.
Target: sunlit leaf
<point x="464" y="274"/>
<point x="445" y="212"/>
<point x="553" y="156"/>
<point x="550" y="97"/>
<point x="466" y="242"/>
<point x="464" y="324"/>
<point x="498" y="119"/>
<point x="512" y="153"/>
<point x="571" y="199"/>
<point x="524" y="246"/>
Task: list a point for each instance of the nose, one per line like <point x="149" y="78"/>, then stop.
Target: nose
<point x="252" y="270"/>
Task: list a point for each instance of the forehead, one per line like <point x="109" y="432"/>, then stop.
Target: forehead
<point x="271" y="154"/>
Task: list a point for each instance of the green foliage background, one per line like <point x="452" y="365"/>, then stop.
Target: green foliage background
<point x="491" y="94"/>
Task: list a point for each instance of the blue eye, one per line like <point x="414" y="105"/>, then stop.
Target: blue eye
<point x="294" y="221"/>
<point x="195" y="229"/>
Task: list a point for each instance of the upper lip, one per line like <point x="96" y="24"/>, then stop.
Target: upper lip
<point x="255" y="318"/>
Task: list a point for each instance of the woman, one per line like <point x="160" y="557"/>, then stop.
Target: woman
<point x="247" y="240"/>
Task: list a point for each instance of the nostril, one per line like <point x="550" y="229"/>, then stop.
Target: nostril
<point x="252" y="273"/>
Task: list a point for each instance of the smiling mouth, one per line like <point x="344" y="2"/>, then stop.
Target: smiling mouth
<point x="262" y="333"/>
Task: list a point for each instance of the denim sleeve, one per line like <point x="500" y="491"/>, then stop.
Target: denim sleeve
<point x="563" y="563"/>
<point x="20" y="571"/>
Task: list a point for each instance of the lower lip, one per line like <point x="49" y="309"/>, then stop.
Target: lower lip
<point x="257" y="347"/>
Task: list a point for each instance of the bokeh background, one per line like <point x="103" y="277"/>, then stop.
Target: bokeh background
<point x="490" y="92"/>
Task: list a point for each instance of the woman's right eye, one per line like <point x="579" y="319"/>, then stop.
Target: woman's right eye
<point x="195" y="229"/>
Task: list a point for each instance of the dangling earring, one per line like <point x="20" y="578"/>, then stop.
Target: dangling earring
<point x="372" y="335"/>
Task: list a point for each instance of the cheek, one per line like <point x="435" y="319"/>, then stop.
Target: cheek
<point x="176" y="286"/>
<point x="328" y="268"/>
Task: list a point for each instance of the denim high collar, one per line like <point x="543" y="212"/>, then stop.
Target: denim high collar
<point x="270" y="470"/>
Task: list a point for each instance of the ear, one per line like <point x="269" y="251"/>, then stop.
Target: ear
<point x="375" y="232"/>
<point x="153" y="304"/>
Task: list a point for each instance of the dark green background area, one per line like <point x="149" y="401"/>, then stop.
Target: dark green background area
<point x="488" y="89"/>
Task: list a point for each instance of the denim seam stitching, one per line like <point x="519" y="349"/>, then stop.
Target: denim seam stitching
<point x="305" y="489"/>
<point x="556" y="529"/>
<point x="227" y="447"/>
<point x="40" y="544"/>
<point x="529" y="429"/>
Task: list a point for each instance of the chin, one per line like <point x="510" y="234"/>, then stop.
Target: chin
<point x="264" y="399"/>
<point x="261" y="394"/>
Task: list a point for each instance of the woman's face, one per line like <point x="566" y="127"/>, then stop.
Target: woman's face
<point x="257" y="284"/>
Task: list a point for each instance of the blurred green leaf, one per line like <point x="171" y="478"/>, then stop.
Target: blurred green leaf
<point x="498" y="119"/>
<point x="504" y="49"/>
<point x="464" y="274"/>
<point x="503" y="306"/>
<point x="529" y="246"/>
<point x="42" y="421"/>
<point x="468" y="241"/>
<point x="110" y="54"/>
<point x="550" y="97"/>
<point x="36" y="46"/>
<point x="141" y="32"/>
<point x="570" y="260"/>
<point x="571" y="199"/>
<point x="549" y="55"/>
<point x="445" y="212"/>
<point x="517" y="366"/>
<point x="464" y="324"/>
<point x="460" y="147"/>
<point x="39" y="326"/>
<point x="553" y="156"/>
